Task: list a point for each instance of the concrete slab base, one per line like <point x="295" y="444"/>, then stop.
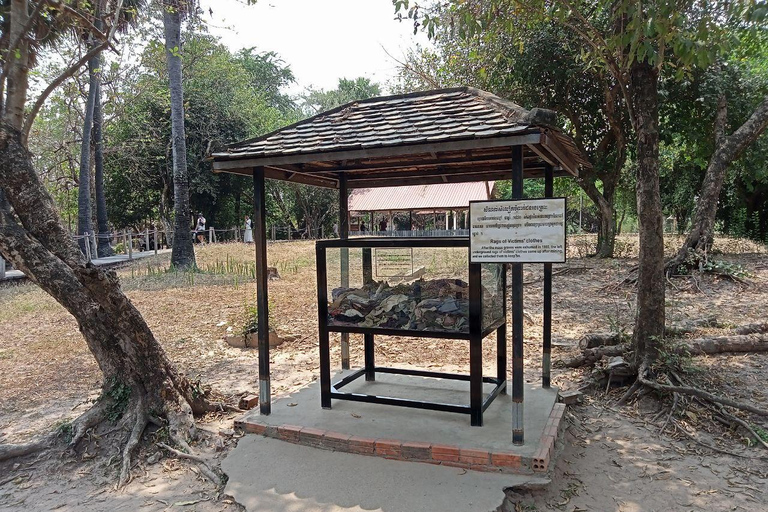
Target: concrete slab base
<point x="417" y="435"/>
<point x="268" y="475"/>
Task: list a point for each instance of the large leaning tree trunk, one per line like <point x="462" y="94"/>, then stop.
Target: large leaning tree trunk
<point x="84" y="210"/>
<point x="727" y="149"/>
<point x="34" y="240"/>
<point x="649" y="322"/>
<point x="183" y="253"/>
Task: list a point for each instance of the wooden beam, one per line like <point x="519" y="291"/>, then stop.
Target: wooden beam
<point x="274" y="173"/>
<point x="565" y="160"/>
<point x="228" y="162"/>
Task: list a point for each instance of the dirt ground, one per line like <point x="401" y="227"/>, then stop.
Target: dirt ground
<point x="613" y="460"/>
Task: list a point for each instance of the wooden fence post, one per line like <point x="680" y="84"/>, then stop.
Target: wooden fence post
<point x="2" y="268"/>
<point x="125" y="242"/>
<point x="146" y="239"/>
<point x="130" y="245"/>
<point x="87" y="246"/>
<point x="156" y="239"/>
<point x="210" y="235"/>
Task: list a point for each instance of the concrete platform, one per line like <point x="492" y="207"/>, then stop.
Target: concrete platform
<point x="413" y="434"/>
<point x="267" y="475"/>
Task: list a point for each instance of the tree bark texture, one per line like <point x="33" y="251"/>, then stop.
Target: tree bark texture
<point x="84" y="210"/>
<point x="183" y="253"/>
<point x="104" y="247"/>
<point x="34" y="240"/>
<point x="728" y="149"/>
<point x="649" y="321"/>
<point x="17" y="80"/>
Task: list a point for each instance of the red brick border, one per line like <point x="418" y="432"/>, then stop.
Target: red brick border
<point x="446" y="455"/>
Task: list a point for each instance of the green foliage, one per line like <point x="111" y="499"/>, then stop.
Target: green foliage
<point x="119" y="394"/>
<point x="695" y="260"/>
<point x="318" y="100"/>
<point x="674" y="357"/>
<point x="66" y="431"/>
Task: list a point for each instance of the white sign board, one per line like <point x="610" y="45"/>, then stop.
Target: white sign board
<point x="517" y="231"/>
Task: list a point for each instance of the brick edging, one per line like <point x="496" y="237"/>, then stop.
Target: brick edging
<point x="446" y="455"/>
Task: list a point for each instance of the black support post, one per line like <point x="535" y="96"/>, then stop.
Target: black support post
<point x="546" y="363"/>
<point x="475" y="346"/>
<point x="501" y="335"/>
<point x="262" y="301"/>
<point x="517" y="314"/>
<point x="322" y="322"/>
<point x="344" y="256"/>
<point x="370" y="363"/>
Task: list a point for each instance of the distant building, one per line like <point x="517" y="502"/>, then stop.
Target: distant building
<point x="416" y="207"/>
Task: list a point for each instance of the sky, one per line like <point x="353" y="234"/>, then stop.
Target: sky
<point x="321" y="40"/>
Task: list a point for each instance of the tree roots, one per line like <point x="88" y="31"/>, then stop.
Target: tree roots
<point x="749" y="338"/>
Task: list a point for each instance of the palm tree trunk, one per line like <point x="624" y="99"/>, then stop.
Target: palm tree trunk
<point x="84" y="211"/>
<point x="104" y="246"/>
<point x="183" y="254"/>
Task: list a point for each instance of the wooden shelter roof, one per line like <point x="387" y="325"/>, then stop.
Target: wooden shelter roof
<point x="440" y="136"/>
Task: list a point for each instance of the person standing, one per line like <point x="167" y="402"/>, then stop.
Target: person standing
<point x="200" y="228"/>
<point x="248" y="233"/>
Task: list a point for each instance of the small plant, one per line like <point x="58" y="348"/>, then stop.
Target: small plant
<point x="120" y="393"/>
<point x="251" y="321"/>
<point x="675" y="357"/>
<point x="66" y="431"/>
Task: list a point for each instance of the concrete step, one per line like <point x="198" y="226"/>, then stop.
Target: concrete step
<point x="268" y="475"/>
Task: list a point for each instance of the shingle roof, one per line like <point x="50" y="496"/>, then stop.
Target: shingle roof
<point x="441" y="136"/>
<point x="432" y="116"/>
<point x="419" y="197"/>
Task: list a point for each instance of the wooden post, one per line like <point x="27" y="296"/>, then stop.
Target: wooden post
<point x="273" y="233"/>
<point x="262" y="296"/>
<point x="517" y="314"/>
<point x="87" y="246"/>
<point x="2" y="268"/>
<point x="546" y="363"/>
<point x="210" y="235"/>
<point x="146" y="239"/>
<point x="130" y="245"/>
<point x="156" y="240"/>
<point x="125" y="242"/>
<point x="344" y="257"/>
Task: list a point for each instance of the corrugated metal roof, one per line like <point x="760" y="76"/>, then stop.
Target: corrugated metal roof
<point x="419" y="197"/>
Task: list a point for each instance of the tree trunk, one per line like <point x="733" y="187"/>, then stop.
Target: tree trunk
<point x="649" y="322"/>
<point x="701" y="236"/>
<point x="183" y="254"/>
<point x="84" y="211"/>
<point x="33" y="239"/>
<point x="606" y="236"/>
<point x="104" y="245"/>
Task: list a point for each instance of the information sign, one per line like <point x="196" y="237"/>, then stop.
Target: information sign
<point x="397" y="262"/>
<point x="517" y="231"/>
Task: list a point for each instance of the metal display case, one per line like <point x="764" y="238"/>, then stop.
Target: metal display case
<point x="414" y="287"/>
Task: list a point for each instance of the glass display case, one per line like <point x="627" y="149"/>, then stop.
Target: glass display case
<point x="420" y="287"/>
<point x="408" y="288"/>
